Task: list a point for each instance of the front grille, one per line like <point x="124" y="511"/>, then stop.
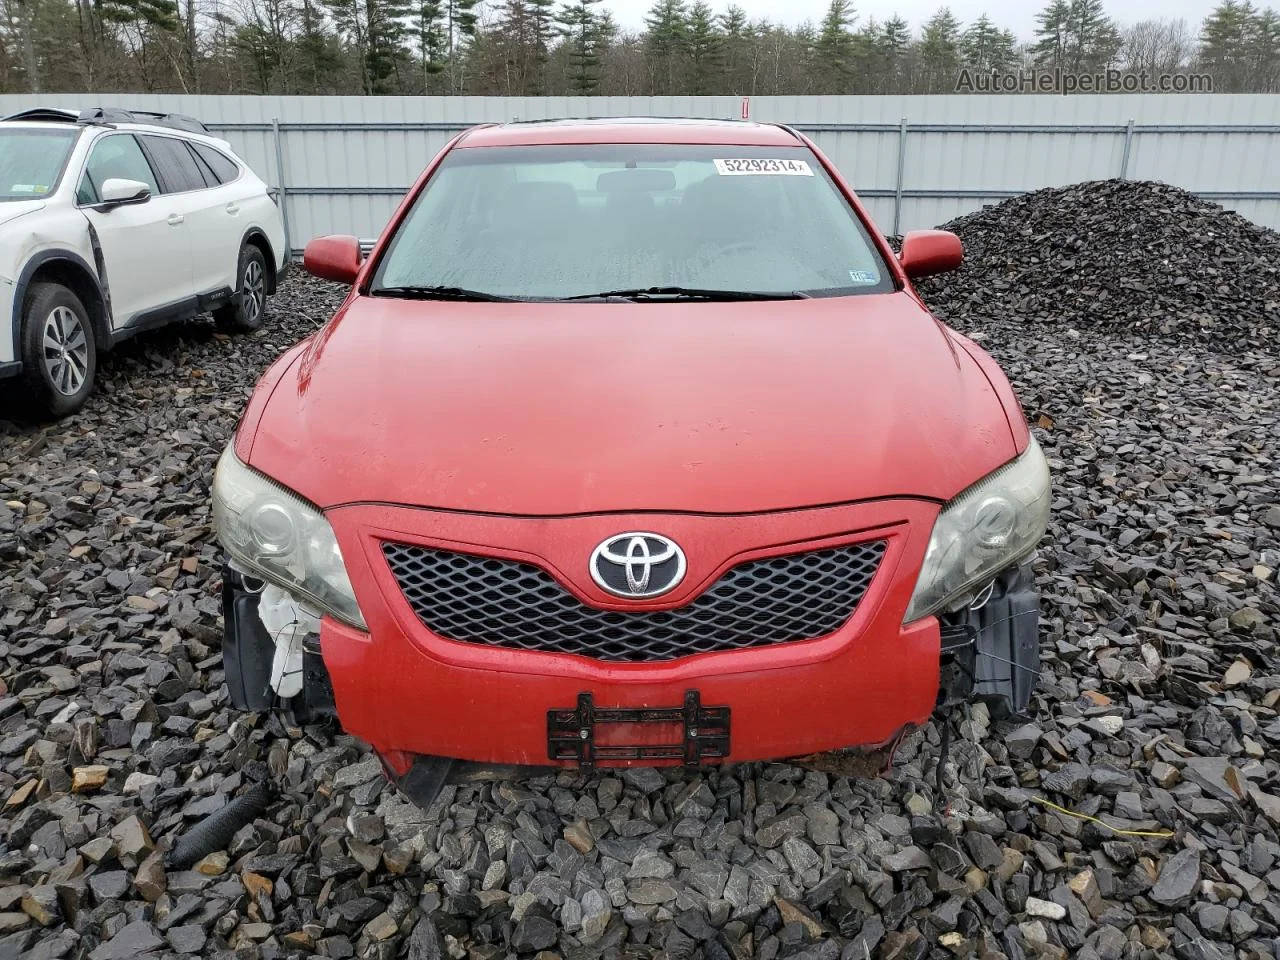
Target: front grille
<point x="505" y="603"/>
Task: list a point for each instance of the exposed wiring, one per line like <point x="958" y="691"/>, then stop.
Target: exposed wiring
<point x="278" y="701"/>
<point x="982" y="598"/>
<point x="1020" y="666"/>
<point x="1162" y="834"/>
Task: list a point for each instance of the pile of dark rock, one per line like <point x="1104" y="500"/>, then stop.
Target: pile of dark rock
<point x="1118" y="257"/>
<point x="1134" y="813"/>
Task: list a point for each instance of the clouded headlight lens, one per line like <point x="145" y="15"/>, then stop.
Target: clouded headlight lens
<point x="281" y="538"/>
<point x="994" y="523"/>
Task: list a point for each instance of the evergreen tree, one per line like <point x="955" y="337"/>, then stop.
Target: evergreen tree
<point x="1050" y="48"/>
<point x="666" y="43"/>
<point x="940" y="52"/>
<point x="320" y="60"/>
<point x="1094" y="39"/>
<point x="581" y="25"/>
<point x="1225" y="41"/>
<point x="264" y="41"/>
<point x="1263" y="52"/>
<point x="375" y="29"/>
<point x="542" y="30"/>
<point x="1075" y="36"/>
<point x="148" y="29"/>
<point x="985" y="47"/>
<point x="460" y="24"/>
<point x="892" y="45"/>
<point x="739" y="41"/>
<point x="836" y="47"/>
<point x="706" y="51"/>
<point x="734" y="23"/>
<point x="429" y="37"/>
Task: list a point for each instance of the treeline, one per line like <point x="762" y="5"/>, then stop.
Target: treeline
<point x="563" y="47"/>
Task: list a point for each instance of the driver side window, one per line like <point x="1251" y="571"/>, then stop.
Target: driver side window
<point x="117" y="156"/>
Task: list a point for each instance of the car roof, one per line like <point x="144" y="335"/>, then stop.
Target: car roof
<point x="630" y="130"/>
<point x="155" y="128"/>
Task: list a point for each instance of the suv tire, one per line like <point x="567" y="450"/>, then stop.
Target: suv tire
<point x="59" y="351"/>
<point x="248" y="306"/>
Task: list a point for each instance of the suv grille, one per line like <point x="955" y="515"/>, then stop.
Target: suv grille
<point x="505" y="603"/>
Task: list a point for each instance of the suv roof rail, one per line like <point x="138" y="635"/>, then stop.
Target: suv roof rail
<point x="178" y="121"/>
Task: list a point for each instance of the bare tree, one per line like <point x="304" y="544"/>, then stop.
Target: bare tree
<point x="1156" y="46"/>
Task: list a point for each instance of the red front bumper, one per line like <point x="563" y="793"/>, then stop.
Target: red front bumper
<point x="405" y="690"/>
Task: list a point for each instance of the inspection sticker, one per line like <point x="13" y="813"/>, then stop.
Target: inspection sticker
<point x="864" y="278"/>
<point x="757" y="166"/>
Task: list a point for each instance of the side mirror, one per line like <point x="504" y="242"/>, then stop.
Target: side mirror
<point x="117" y="191"/>
<point x="334" y="258"/>
<point x="926" y="252"/>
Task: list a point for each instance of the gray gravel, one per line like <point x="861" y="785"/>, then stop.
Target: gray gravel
<point x="1156" y="712"/>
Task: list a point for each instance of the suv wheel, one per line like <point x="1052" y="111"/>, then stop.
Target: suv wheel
<point x="248" y="307"/>
<point x="59" y="352"/>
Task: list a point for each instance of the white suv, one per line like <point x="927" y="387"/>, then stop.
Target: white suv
<point x="115" y="221"/>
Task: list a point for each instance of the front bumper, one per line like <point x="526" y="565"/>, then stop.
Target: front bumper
<point x="10" y="331"/>
<point x="408" y="692"/>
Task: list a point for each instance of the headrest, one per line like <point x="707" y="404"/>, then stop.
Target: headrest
<point x="538" y="199"/>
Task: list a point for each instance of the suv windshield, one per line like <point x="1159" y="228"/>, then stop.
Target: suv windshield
<point x="558" y="222"/>
<point x="31" y="161"/>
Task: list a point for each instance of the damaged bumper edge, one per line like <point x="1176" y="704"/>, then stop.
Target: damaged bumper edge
<point x="252" y="655"/>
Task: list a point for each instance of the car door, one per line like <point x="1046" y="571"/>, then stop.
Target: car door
<point x="209" y="211"/>
<point x="233" y="211"/>
<point x="145" y="247"/>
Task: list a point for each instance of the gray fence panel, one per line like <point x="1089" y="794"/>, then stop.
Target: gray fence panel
<point x="344" y="160"/>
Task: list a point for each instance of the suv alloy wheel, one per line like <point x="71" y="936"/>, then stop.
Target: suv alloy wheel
<point x="59" y="350"/>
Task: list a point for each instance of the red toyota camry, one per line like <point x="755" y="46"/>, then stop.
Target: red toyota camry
<point x="631" y="444"/>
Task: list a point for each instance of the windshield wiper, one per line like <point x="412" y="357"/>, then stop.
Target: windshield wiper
<point x="442" y="293"/>
<point x="646" y="294"/>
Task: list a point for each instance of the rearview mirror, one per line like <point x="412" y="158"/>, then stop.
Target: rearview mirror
<point x="117" y="191"/>
<point x="926" y="252"/>
<point x="334" y="258"/>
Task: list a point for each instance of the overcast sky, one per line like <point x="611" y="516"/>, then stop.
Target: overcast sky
<point x="1016" y="15"/>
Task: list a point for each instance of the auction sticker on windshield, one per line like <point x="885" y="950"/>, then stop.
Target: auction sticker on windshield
<point x="757" y="166"/>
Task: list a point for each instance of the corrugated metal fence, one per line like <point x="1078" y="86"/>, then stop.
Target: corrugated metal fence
<point x="341" y="163"/>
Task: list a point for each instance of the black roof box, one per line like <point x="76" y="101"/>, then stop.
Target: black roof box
<point x="45" y="113"/>
<point x="178" y="121"/>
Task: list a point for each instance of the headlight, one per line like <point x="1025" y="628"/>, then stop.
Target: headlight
<point x="281" y="538"/>
<point x="994" y="523"/>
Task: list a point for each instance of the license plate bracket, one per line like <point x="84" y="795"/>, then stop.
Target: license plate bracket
<point x="571" y="734"/>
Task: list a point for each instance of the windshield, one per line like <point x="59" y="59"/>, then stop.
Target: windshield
<point x="557" y="222"/>
<point x="31" y="161"/>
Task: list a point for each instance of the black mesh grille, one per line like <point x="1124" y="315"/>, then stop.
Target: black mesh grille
<point x="504" y="603"/>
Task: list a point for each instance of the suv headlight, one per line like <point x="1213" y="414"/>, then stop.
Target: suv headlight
<point x="991" y="525"/>
<point x="281" y="538"/>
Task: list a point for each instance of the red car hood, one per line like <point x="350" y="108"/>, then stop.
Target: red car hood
<point x="553" y="409"/>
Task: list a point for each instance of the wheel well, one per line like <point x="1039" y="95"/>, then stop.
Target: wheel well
<point x="76" y="279"/>
<point x="259" y="241"/>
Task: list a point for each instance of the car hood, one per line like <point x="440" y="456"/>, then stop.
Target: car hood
<point x="13" y="209"/>
<point x="551" y="409"/>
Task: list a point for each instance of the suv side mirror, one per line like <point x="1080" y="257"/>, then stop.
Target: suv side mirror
<point x="117" y="191"/>
<point x="334" y="258"/>
<point x="926" y="252"/>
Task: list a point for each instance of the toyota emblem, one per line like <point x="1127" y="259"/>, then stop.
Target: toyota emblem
<point x="638" y="565"/>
